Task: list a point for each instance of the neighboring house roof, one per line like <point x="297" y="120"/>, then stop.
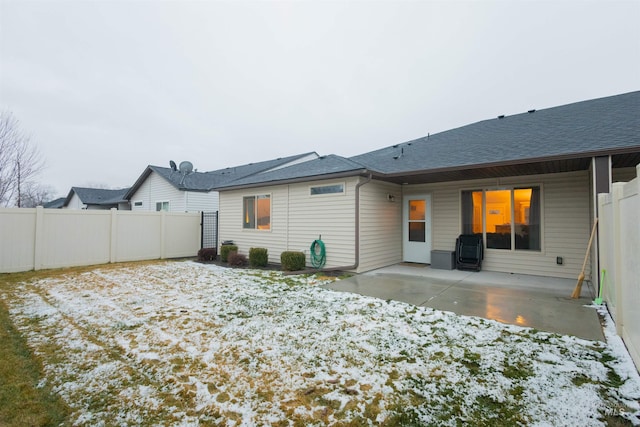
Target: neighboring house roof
<point x="55" y="204"/>
<point x="207" y="181"/>
<point x="558" y="139"/>
<point x="97" y="196"/>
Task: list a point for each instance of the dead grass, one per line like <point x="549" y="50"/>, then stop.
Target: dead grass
<point x="332" y="398"/>
<point x="22" y="402"/>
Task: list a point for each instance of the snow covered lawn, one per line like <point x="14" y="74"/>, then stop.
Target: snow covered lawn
<point x="180" y="343"/>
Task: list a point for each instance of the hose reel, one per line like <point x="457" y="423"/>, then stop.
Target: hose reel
<point x="318" y="253"/>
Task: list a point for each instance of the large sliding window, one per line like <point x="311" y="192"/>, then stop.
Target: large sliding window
<point x="508" y="219"/>
<point x="257" y="212"/>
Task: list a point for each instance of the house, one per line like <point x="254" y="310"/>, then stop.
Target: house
<point x="55" y="204"/>
<point x="96" y="198"/>
<point x="186" y="190"/>
<point x="525" y="183"/>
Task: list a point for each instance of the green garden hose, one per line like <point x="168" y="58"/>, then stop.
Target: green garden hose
<point x="318" y="254"/>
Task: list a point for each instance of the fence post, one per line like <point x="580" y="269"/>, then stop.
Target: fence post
<point x="113" y="241"/>
<point x="163" y="232"/>
<point x="616" y="195"/>
<point x="39" y="237"/>
<point x="201" y="229"/>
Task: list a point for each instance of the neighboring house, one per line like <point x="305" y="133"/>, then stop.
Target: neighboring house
<point x="170" y="189"/>
<point x="526" y="183"/>
<point x="96" y="198"/>
<point x="55" y="204"/>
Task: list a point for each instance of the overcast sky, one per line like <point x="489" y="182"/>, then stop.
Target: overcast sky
<point x="105" y="88"/>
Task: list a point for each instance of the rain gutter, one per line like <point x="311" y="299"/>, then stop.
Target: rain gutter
<point x="357" y="230"/>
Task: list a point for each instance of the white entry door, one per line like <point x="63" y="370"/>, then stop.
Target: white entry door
<point x="416" y="229"/>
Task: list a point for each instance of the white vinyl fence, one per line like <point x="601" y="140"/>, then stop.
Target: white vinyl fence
<point x="619" y="237"/>
<point x="35" y="239"/>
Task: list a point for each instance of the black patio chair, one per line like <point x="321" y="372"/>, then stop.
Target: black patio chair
<point x="469" y="252"/>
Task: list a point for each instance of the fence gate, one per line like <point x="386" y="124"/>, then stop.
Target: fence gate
<point x="209" y="230"/>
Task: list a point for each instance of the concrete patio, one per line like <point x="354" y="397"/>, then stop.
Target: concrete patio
<point x="543" y="303"/>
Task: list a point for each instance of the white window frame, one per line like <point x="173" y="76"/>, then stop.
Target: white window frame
<point x="255" y="213"/>
<point x="138" y="203"/>
<point x="162" y="202"/>
<point x="334" y="184"/>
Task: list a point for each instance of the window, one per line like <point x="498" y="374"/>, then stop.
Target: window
<point x="257" y="212"/>
<point x="327" y="189"/>
<point x="417" y="223"/>
<point x="506" y="218"/>
<point x="162" y="206"/>
<point x="137" y="204"/>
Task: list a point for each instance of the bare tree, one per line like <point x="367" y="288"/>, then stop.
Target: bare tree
<point x="35" y="195"/>
<point x="20" y="161"/>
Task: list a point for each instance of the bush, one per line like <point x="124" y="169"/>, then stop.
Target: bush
<point x="292" y="261"/>
<point x="236" y="259"/>
<point x="207" y="254"/>
<point x="258" y="257"/>
<point x="225" y="250"/>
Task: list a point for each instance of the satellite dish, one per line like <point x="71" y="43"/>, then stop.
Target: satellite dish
<point x="186" y="167"/>
<point x="173" y="165"/>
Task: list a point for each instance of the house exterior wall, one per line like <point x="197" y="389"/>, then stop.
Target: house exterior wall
<point x="199" y="201"/>
<point x="156" y="189"/>
<point x="75" y="203"/>
<point x="380" y="225"/>
<point x="566" y="222"/>
<point x="297" y="219"/>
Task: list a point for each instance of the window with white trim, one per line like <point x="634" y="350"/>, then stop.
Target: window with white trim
<point x="327" y="189"/>
<point x="256" y="212"/>
<point x="162" y="206"/>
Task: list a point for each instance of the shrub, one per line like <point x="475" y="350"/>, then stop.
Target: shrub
<point x="292" y="261"/>
<point x="207" y="254"/>
<point x="258" y="257"/>
<point x="236" y="259"/>
<point x="225" y="250"/>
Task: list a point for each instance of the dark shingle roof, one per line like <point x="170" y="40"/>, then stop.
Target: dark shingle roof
<point x="207" y="181"/>
<point x="97" y="196"/>
<point x="600" y="126"/>
<point x="55" y="204"/>
<point x="321" y="167"/>
<point x="509" y="145"/>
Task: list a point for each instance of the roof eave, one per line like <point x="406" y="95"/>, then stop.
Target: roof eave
<point x="515" y="162"/>
<point x="337" y="175"/>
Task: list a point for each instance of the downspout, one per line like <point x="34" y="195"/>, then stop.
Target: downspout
<point x="357" y="232"/>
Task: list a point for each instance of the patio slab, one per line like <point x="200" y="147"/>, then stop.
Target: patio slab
<point x="543" y="303"/>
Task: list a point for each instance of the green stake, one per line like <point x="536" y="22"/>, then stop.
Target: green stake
<point x="598" y="300"/>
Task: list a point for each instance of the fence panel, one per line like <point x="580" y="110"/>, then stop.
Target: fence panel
<point x="138" y="235"/>
<point x="17" y="239"/>
<point x="630" y="267"/>
<point x="50" y="238"/>
<point x="73" y="237"/>
<point x="619" y="237"/>
<point x="182" y="236"/>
